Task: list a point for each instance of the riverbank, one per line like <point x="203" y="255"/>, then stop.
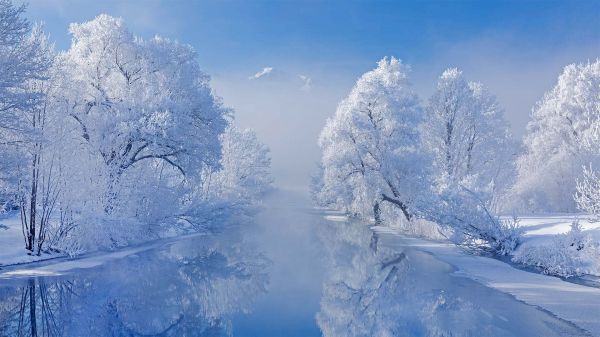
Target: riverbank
<point x="578" y="304"/>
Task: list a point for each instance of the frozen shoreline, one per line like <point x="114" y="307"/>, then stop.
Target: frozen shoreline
<point x="578" y="304"/>
<point x="15" y="262"/>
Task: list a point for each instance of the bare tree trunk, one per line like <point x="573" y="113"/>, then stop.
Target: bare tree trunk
<point x="377" y="213"/>
<point x="399" y="204"/>
<point x="33" y="203"/>
<point x="448" y="143"/>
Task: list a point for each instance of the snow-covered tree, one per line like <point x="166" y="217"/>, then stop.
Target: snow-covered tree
<point x="469" y="140"/>
<point x="139" y="123"/>
<point x="371" y="145"/>
<point x="560" y="141"/>
<point x="375" y="162"/>
<point x="37" y="187"/>
<point x="466" y="133"/>
<point x="237" y="187"/>
<point x="587" y="193"/>
<point x="23" y="61"/>
<point x="245" y="166"/>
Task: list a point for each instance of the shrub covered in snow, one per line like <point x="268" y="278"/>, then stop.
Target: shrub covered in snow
<point x="570" y="254"/>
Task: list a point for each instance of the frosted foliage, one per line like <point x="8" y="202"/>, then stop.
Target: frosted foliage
<point x="371" y="145"/>
<point x="468" y="137"/>
<point x="588" y="191"/>
<point x="574" y="253"/>
<point x="560" y="140"/>
<point x="245" y="166"/>
<point x="378" y="152"/>
<point x="138" y="124"/>
<point x="24" y="61"/>
<point x="127" y="138"/>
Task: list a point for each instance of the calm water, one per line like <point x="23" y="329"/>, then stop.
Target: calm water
<point x="292" y="274"/>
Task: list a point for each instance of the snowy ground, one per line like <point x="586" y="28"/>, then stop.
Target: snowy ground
<point x="61" y="265"/>
<point x="14" y="254"/>
<point x="548" y="244"/>
<point x="575" y="303"/>
<point x="12" y="246"/>
<point x="544" y="225"/>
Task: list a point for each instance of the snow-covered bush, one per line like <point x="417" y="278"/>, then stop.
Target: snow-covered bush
<point x="420" y="228"/>
<point x="463" y="213"/>
<point x="570" y="254"/>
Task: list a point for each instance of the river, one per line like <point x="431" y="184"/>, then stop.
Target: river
<point x="291" y="273"/>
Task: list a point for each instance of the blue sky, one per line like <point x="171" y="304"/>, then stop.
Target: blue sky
<point x="516" y="48"/>
<point x="233" y="34"/>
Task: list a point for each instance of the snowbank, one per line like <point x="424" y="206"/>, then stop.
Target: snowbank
<point x="12" y="244"/>
<point x="558" y="247"/>
<point x="572" y="302"/>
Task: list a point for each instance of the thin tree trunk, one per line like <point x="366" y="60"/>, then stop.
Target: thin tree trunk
<point x="448" y="143"/>
<point x="32" y="204"/>
<point x="377" y="213"/>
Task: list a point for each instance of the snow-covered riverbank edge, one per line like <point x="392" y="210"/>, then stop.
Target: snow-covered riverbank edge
<point x="15" y="262"/>
<point x="60" y="265"/>
<point x="12" y="244"/>
<point x="575" y="303"/>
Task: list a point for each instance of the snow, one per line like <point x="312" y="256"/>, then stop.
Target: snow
<point x="550" y="244"/>
<point x="575" y="303"/>
<point x="339" y="218"/>
<point x="64" y="265"/>
<point x="549" y="224"/>
<point x="17" y="263"/>
<point x="12" y="246"/>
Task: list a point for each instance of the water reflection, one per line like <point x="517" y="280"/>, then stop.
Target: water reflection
<point x="373" y="290"/>
<point x="189" y="288"/>
<point x="201" y="286"/>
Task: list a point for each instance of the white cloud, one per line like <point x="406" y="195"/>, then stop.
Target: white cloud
<point x="264" y="72"/>
<point x="307" y="82"/>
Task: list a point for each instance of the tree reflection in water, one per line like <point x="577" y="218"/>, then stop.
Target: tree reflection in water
<point x="373" y="290"/>
<point x="190" y="288"/>
<point x="196" y="286"/>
